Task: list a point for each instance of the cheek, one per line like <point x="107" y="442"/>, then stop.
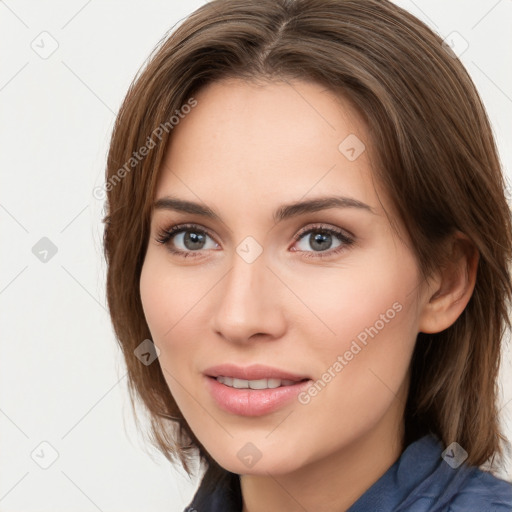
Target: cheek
<point x="376" y="292"/>
<point x="171" y="299"/>
<point x="368" y="328"/>
<point x="155" y="296"/>
<point x="165" y="310"/>
<point x="168" y="296"/>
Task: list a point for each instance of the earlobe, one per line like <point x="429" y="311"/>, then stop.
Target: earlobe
<point x="451" y="288"/>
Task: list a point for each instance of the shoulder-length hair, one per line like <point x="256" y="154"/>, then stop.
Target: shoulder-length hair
<point x="437" y="160"/>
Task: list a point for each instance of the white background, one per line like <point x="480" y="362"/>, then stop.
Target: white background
<point x="62" y="379"/>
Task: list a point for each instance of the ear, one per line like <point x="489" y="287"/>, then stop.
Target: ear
<point x="451" y="288"/>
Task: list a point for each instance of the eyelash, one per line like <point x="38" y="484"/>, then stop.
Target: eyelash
<point x="164" y="237"/>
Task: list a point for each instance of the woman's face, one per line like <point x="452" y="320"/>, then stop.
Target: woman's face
<point x="325" y="295"/>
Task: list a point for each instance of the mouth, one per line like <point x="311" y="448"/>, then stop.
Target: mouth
<point x="253" y="390"/>
<point x="233" y="382"/>
<point x="254" y="373"/>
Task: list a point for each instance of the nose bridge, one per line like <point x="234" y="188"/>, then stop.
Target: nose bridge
<point x="248" y="304"/>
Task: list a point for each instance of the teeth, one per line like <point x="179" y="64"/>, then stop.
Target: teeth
<point x="240" y="383"/>
<point x="254" y="384"/>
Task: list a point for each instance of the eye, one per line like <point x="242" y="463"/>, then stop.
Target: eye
<point x="320" y="239"/>
<point x="189" y="238"/>
<point x="185" y="240"/>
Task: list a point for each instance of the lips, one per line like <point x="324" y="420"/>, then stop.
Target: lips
<point x="253" y="390"/>
<point x="253" y="372"/>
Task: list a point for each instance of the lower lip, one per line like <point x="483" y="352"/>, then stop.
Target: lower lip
<point x="253" y="402"/>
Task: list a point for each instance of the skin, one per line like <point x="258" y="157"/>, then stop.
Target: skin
<point x="245" y="150"/>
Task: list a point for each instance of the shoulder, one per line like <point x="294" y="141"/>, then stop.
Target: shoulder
<point x="433" y="483"/>
<point x="482" y="492"/>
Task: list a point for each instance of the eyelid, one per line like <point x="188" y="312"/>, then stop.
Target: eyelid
<point x="302" y="231"/>
<point x="175" y="229"/>
<point x="323" y="227"/>
<point x="165" y="235"/>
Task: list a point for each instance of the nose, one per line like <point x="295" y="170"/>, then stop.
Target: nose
<point x="248" y="304"/>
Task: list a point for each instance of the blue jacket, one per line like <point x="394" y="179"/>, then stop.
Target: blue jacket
<point x="419" y="481"/>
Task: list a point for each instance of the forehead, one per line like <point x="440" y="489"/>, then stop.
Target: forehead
<point x="267" y="142"/>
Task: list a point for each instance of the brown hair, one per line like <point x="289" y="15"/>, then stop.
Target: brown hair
<point x="437" y="161"/>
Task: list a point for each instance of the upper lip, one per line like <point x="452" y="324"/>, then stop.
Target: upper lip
<point x="252" y="372"/>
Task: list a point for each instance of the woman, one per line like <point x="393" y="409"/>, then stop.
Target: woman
<point x="356" y="376"/>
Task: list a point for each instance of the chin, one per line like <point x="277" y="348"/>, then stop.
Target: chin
<point x="262" y="463"/>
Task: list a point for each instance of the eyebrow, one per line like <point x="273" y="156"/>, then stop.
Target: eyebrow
<point x="282" y="213"/>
